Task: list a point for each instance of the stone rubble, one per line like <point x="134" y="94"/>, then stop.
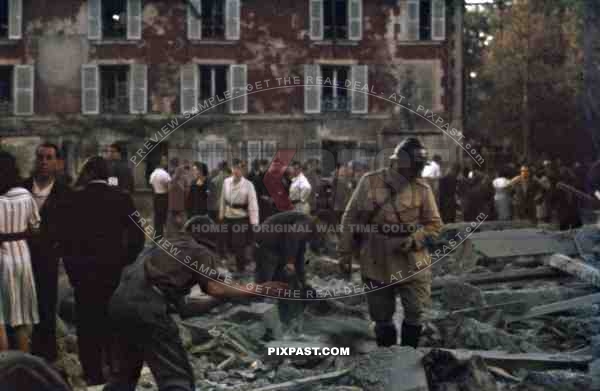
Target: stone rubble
<point x="228" y="350"/>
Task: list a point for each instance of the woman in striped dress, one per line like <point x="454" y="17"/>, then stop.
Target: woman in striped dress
<point x="18" y="215"/>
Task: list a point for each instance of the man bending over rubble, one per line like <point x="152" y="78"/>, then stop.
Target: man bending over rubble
<point x="149" y="291"/>
<point x="281" y="243"/>
<point x="403" y="209"/>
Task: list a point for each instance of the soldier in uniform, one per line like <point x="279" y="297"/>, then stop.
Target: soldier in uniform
<point x="400" y="210"/>
<point x="150" y="291"/>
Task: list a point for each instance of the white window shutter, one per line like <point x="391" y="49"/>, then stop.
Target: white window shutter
<point x="23" y="81"/>
<point x="253" y="151"/>
<point x="412" y="20"/>
<point x="194" y="19"/>
<point x="312" y="91"/>
<point x="138" y="89"/>
<point x="316" y="19"/>
<point x="15" y="19"/>
<point x="134" y="19"/>
<point x="237" y="81"/>
<point x="94" y="19"/>
<point x="438" y="20"/>
<point x="188" y="88"/>
<point x="90" y="89"/>
<point x="355" y="20"/>
<point x="359" y="99"/>
<point x="232" y="19"/>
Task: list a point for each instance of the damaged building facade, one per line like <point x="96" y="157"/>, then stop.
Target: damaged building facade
<point x="229" y="78"/>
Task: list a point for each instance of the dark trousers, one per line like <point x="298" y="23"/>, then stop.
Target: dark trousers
<point x="94" y="329"/>
<point x="239" y="237"/>
<point x="45" y="273"/>
<point x="145" y="333"/>
<point x="270" y="266"/>
<point x="161" y="208"/>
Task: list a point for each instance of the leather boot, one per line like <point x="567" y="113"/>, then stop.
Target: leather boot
<point x="385" y="334"/>
<point x="410" y="335"/>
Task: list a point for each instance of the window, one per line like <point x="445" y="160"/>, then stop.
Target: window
<point x="114" y="97"/>
<point x="11" y="12"/>
<point x="214" y="19"/>
<point x="114" y="19"/>
<point x="335" y="23"/>
<point x="213" y="82"/>
<point x="6" y="93"/>
<point x="4" y="18"/>
<point x="335" y="19"/>
<point x="334" y="98"/>
<point x="336" y="88"/>
<point x="16" y="89"/>
<point x="211" y="153"/>
<point x="213" y="88"/>
<point x="114" y="89"/>
<point x="425" y="20"/>
<point x="259" y="150"/>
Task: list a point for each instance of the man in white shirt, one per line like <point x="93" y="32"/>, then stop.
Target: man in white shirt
<point x="238" y="209"/>
<point x="300" y="189"/>
<point x="433" y="169"/>
<point x="159" y="180"/>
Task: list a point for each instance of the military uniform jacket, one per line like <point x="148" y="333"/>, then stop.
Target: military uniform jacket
<point x="382" y="200"/>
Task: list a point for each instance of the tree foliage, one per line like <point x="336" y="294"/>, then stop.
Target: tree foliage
<point x="529" y="77"/>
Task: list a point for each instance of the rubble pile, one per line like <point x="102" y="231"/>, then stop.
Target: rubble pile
<point x="503" y="318"/>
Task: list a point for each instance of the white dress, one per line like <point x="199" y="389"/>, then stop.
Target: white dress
<point x="18" y="211"/>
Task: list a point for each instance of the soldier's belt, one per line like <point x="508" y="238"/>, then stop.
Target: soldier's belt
<point x="396" y="230"/>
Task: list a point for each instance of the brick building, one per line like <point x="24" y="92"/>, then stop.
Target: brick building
<point x="323" y="76"/>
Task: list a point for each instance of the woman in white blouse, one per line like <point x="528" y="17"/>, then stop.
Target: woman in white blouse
<point x="502" y="196"/>
<point x="238" y="209"/>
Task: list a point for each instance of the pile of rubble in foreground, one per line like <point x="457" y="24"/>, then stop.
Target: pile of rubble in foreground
<point x="513" y="309"/>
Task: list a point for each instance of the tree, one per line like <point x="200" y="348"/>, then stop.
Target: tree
<point x="531" y="78"/>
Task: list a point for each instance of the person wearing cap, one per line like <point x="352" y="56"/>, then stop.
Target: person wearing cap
<point x="238" y="209"/>
<point x="400" y="209"/>
<point x="300" y="188"/>
<point x="152" y="289"/>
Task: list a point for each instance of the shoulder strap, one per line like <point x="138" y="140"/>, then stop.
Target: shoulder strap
<point x="390" y="197"/>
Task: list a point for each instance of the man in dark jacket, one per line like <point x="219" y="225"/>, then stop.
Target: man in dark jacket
<point x="49" y="193"/>
<point x="100" y="239"/>
<point x="119" y="171"/>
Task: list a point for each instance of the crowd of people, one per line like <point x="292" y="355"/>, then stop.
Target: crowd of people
<point x="529" y="192"/>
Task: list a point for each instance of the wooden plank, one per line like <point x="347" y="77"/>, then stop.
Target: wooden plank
<point x="575" y="267"/>
<point x="558" y="306"/>
<point x="532" y="361"/>
<point x="504" y="276"/>
<point x="519" y="242"/>
<point x="304" y="381"/>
